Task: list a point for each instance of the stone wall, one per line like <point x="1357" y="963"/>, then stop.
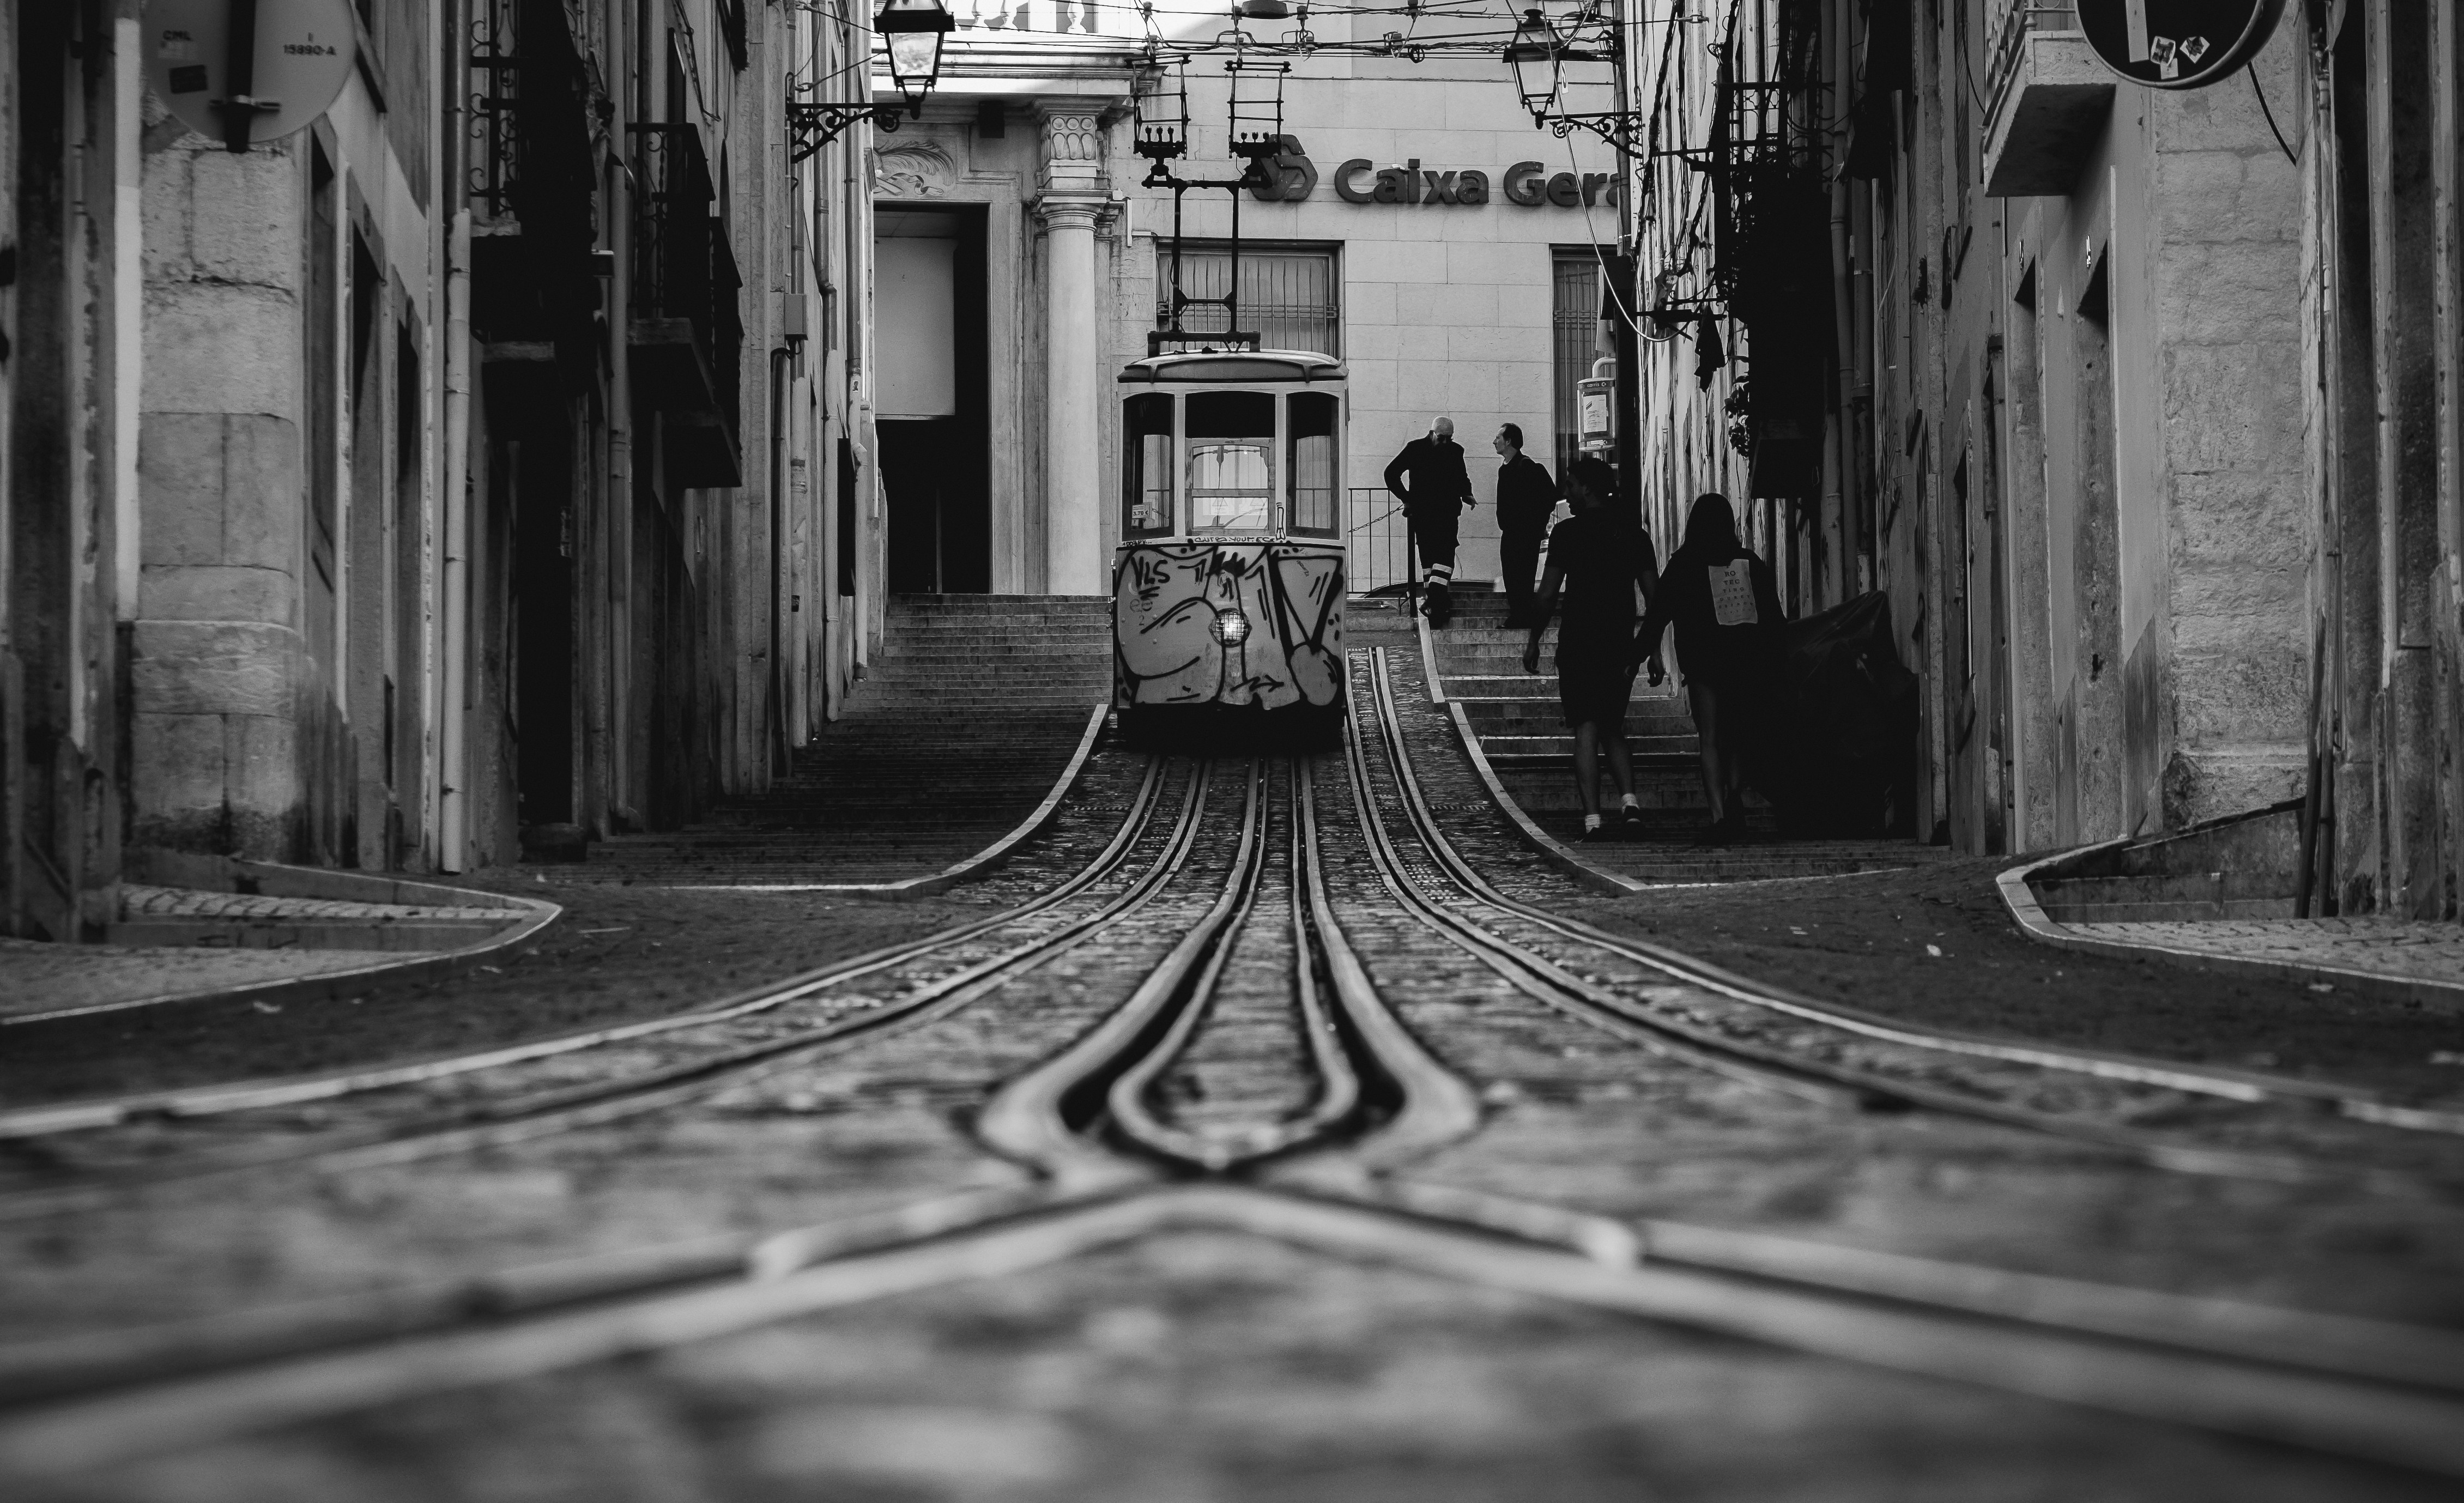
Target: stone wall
<point x="217" y="653"/>
<point x="2226" y="213"/>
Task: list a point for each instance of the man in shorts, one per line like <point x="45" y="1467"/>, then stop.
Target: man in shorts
<point x="1596" y="563"/>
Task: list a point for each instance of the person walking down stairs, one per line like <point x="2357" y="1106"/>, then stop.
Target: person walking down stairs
<point x="1429" y="478"/>
<point x="1596" y="561"/>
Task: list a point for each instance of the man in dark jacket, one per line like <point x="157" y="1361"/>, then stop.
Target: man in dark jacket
<point x="1429" y="477"/>
<point x="1526" y="496"/>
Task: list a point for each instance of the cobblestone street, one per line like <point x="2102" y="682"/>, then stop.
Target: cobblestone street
<point x="1273" y="1128"/>
<point x="1231" y="751"/>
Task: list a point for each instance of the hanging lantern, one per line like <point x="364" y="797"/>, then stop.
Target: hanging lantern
<point x="1163" y="130"/>
<point x="1533" y="54"/>
<point x="914" y="31"/>
<point x="1257" y="114"/>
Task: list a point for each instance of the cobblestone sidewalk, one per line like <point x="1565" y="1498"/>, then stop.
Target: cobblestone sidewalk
<point x="39" y="978"/>
<point x="36" y="977"/>
<point x="2398" y="948"/>
<point x="188" y="902"/>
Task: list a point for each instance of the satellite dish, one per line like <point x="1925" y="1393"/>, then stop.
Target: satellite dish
<point x="300" y="55"/>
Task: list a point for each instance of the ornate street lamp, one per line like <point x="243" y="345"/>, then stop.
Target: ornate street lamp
<point x="914" y="31"/>
<point x="914" y="28"/>
<point x="1533" y="54"/>
<point x="1583" y="36"/>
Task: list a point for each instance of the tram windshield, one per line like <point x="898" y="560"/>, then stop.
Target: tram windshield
<point x="1231" y="454"/>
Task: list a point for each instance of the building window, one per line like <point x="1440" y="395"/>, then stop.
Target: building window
<point x="1576" y="345"/>
<point x="1289" y="294"/>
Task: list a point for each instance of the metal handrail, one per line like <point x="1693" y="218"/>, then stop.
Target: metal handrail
<point x="1377" y="546"/>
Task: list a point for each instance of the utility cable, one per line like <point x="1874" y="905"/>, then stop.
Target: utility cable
<point x="2252" y="69"/>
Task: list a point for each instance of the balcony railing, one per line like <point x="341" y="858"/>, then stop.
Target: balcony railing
<point x="2011" y="46"/>
<point x="530" y="155"/>
<point x="688" y="332"/>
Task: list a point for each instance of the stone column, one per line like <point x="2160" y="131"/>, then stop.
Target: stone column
<point x="1071" y="200"/>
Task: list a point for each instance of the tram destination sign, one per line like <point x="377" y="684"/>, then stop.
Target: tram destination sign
<point x="2177" y="44"/>
<point x="1294" y="177"/>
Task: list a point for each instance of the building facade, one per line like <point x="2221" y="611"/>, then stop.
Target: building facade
<point x="484" y="468"/>
<point x="71" y="310"/>
<point x="2104" y="385"/>
<point x="1423" y="232"/>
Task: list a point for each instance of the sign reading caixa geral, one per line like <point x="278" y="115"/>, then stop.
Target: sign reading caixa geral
<point x="1529" y="184"/>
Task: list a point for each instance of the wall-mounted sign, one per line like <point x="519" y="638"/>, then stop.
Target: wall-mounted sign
<point x="1528" y="184"/>
<point x="2177" y="44"/>
<point x="295" y="55"/>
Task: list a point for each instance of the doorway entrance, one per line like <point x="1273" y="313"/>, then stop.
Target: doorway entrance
<point x="932" y="399"/>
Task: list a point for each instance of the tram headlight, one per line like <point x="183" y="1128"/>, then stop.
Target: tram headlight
<point x="1231" y="626"/>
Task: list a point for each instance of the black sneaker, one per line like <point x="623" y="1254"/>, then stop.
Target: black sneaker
<point x="1631" y="817"/>
<point x="1441" y="606"/>
<point x="1599" y="832"/>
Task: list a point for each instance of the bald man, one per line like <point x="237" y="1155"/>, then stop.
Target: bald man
<point x="1429" y="477"/>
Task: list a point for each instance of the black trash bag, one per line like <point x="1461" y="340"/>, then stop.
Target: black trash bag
<point x="1835" y="746"/>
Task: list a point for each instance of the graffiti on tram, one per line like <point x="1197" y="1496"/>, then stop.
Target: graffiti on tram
<point x="1228" y="623"/>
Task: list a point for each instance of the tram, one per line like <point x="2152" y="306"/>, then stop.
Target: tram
<point x="1228" y="583"/>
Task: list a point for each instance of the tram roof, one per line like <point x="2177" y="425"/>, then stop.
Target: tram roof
<point x="1233" y="367"/>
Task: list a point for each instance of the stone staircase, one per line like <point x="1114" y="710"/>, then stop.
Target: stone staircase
<point x="1522" y="732"/>
<point x="969" y="712"/>
<point x="1522" y="729"/>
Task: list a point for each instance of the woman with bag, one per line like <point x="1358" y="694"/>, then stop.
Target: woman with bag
<point x="1725" y="603"/>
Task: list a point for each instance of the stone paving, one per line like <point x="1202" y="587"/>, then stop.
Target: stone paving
<point x="1219" y="1368"/>
<point x="42" y="977"/>
<point x="2403" y="948"/>
<point x="1204" y="1367"/>
<point x="137" y="901"/>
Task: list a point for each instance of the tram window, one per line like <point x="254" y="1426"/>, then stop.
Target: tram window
<point x="1146" y="477"/>
<point x="1231" y="447"/>
<point x="1311" y="463"/>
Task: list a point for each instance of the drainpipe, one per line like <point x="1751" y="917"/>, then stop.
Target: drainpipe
<point x="1860" y="282"/>
<point x="620" y="453"/>
<point x="1841" y="456"/>
<point x="453" y="809"/>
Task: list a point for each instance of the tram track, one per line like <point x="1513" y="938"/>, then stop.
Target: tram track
<point x="1679" y="1009"/>
<point x="1379" y="1098"/>
<point x="1116" y="1161"/>
<point x="126" y="1146"/>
